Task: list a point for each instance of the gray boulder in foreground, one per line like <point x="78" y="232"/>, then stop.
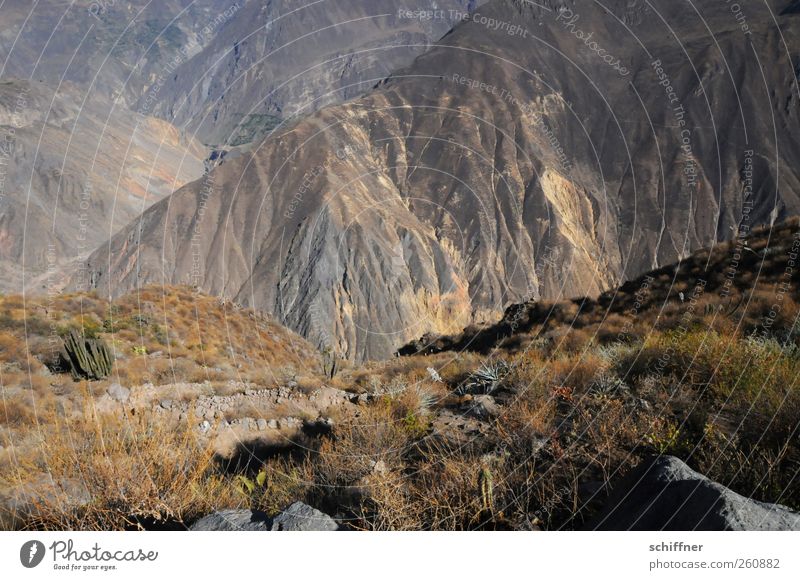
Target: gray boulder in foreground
<point x="300" y="517"/>
<point x="297" y="517"/>
<point x="233" y="521"/>
<point x="666" y="494"/>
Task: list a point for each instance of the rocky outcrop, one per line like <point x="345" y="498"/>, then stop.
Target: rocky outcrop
<point x="233" y="521"/>
<point x="298" y="517"/>
<point x="665" y="494"/>
<point x="499" y="167"/>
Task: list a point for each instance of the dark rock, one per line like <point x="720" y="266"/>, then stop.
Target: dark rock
<point x="298" y="517"/>
<point x="482" y="407"/>
<point x="233" y="521"/>
<point x="319" y="427"/>
<point x="666" y="494"/>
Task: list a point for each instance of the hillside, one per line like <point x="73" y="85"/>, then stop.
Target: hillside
<point x="157" y="335"/>
<point x="745" y="286"/>
<point x="178" y="356"/>
<point x="496" y="168"/>
<point x="532" y="423"/>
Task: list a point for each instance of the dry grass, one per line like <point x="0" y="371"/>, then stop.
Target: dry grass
<point x="159" y="335"/>
<point x="590" y="388"/>
<point x="106" y="472"/>
<point x="135" y="469"/>
<point x="570" y="423"/>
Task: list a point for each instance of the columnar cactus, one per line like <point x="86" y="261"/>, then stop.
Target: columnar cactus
<point x="486" y="489"/>
<point x="86" y="358"/>
<point x="329" y="363"/>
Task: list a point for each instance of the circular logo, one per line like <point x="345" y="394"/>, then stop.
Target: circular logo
<point x="31" y="553"/>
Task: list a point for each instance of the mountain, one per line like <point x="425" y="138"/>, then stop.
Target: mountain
<point x="539" y="150"/>
<point x="73" y="172"/>
<point x="77" y="162"/>
<point x="225" y="71"/>
<point x="114" y="50"/>
<point x="270" y="61"/>
<point x="105" y="104"/>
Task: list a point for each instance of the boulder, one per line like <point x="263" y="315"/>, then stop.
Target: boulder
<point x="22" y="504"/>
<point x="666" y="494"/>
<point x="233" y="521"/>
<point x="298" y="517"/>
<point x="482" y="407"/>
<point x="118" y="393"/>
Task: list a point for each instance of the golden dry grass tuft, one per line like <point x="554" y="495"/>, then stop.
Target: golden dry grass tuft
<point x="106" y="472"/>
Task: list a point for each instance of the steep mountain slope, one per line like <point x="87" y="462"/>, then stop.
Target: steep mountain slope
<point x="74" y="172"/>
<point x="92" y="71"/>
<point x="77" y="163"/>
<point x="112" y="49"/>
<point x="271" y="61"/>
<point x="539" y="150"/>
<point x="228" y="71"/>
<point x="748" y="286"/>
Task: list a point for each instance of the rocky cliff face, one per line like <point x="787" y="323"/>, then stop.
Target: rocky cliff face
<point x="550" y="149"/>
<point x="226" y="71"/>
<point x="270" y="61"/>
<point x="73" y="171"/>
<point x="85" y="85"/>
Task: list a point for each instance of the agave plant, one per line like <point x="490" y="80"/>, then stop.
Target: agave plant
<point x="607" y="385"/>
<point x="486" y="379"/>
<point x="426" y="399"/>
